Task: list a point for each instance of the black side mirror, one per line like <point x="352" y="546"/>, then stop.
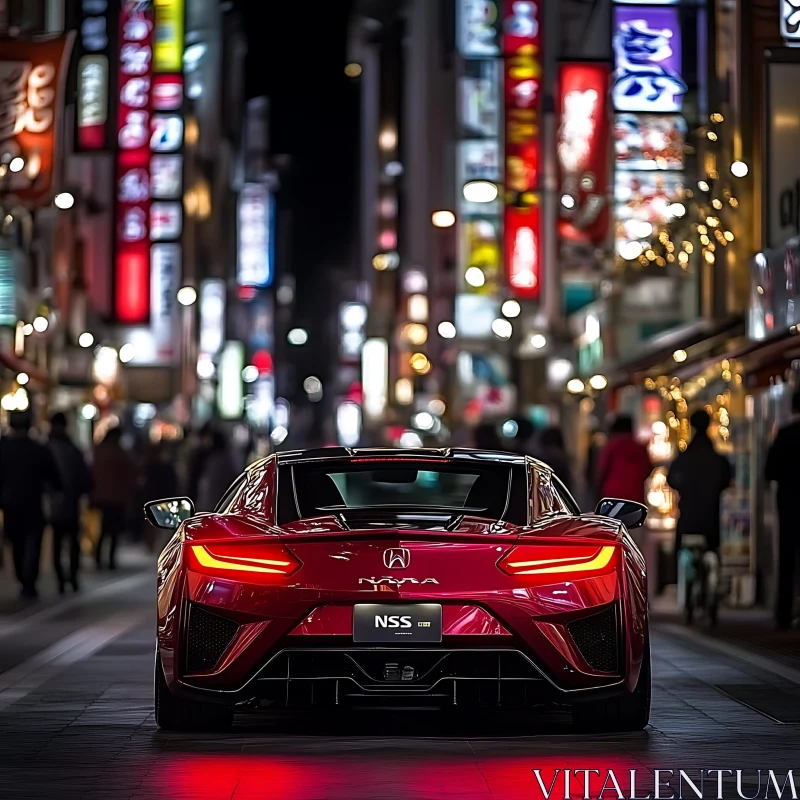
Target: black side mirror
<point x="629" y="513"/>
<point x="169" y="514"/>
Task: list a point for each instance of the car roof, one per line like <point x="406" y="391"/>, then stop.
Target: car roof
<point x="427" y="453"/>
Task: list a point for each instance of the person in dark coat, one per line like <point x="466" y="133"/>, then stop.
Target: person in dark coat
<point x="624" y="463"/>
<point x="65" y="507"/>
<point x="198" y="455"/>
<point x="221" y="470"/>
<point x="27" y="473"/>
<point x="551" y="451"/>
<point x="700" y="475"/>
<point x="114" y="487"/>
<point x="783" y="467"/>
<point x="159" y="481"/>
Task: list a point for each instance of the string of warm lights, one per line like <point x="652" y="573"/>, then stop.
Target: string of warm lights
<point x="698" y="224"/>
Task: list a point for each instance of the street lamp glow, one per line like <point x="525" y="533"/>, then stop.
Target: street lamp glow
<point x="22" y="378"/>
<point x="187" y="295"/>
<point x="511" y="309"/>
<point x="352" y="70"/>
<point x="575" y="386"/>
<point x="443" y="219"/>
<point x="538" y="341"/>
<point x="64" y="200"/>
<point x="739" y="169"/>
<point x="250" y="374"/>
<point x="474" y="277"/>
<point x="676" y="209"/>
<point x="568" y="201"/>
<point x="447" y="330"/>
<point x="297" y="336"/>
<point x="480" y="191"/>
<point x="630" y="250"/>
<point x="27" y="329"/>
<point x="127" y="352"/>
<point x="598" y="382"/>
<point x="40" y="324"/>
<point x="680" y="356"/>
<point x="502" y="328"/>
<point x="86" y="339"/>
<point x="89" y="411"/>
<point x="17" y="164"/>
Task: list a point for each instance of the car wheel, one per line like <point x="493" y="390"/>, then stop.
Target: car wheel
<point x="630" y="712"/>
<point x="175" y="713"/>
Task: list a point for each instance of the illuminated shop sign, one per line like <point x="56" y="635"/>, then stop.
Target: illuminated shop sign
<point x="477" y="25"/>
<point x="132" y="295"/>
<point x="167" y="134"/>
<point x="479" y="252"/>
<point x="164" y="285"/>
<point x="647" y="59"/>
<point x="212" y="316"/>
<point x="167" y="92"/>
<point x="649" y="141"/>
<point x="479" y="98"/>
<point x="165" y="221"/>
<point x="168" y="46"/>
<point x="31" y="100"/>
<point x="477" y="160"/>
<point x="166" y="177"/>
<point x="523" y="250"/>
<point x="790" y="19"/>
<point x="583" y="144"/>
<point x="523" y="72"/>
<point x="255" y="267"/>
<point x="95" y="39"/>
<point x="8" y="286"/>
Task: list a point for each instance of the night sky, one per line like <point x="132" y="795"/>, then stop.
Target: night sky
<point x="297" y="59"/>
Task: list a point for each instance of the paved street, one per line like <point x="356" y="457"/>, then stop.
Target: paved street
<point x="76" y="721"/>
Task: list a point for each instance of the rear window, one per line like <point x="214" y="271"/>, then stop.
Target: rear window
<point x="490" y="491"/>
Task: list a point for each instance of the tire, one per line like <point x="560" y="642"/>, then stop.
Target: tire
<point x="630" y="712"/>
<point x="175" y="713"/>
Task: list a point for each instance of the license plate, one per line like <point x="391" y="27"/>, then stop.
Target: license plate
<point x="381" y="622"/>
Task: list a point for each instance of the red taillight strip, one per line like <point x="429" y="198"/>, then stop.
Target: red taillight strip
<point x="205" y="559"/>
<point x="599" y="561"/>
<point x="547" y="561"/>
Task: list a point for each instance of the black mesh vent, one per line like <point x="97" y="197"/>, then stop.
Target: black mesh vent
<point x="596" y="637"/>
<point x="207" y="637"/>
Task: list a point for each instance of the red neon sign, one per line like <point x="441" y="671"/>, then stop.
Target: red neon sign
<point x="583" y="142"/>
<point x="523" y="74"/>
<point x="523" y="250"/>
<point x="132" y="292"/>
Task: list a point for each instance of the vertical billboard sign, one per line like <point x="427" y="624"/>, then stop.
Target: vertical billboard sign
<point x="168" y="46"/>
<point x="31" y="102"/>
<point x="522" y="37"/>
<point x="95" y="40"/>
<point x="164" y="284"/>
<point x="132" y="275"/>
<point x="583" y="151"/>
<point x="255" y="267"/>
<point x="647" y="59"/>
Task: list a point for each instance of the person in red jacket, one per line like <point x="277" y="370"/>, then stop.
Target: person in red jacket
<point x="624" y="463"/>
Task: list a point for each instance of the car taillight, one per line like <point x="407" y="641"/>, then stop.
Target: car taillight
<point x="558" y="561"/>
<point x="250" y="560"/>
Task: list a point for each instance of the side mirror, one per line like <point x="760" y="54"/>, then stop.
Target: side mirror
<point x="630" y="514"/>
<point x="169" y="514"/>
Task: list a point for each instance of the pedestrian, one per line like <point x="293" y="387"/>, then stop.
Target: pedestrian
<point x="198" y="455"/>
<point x="65" y="506"/>
<point x="485" y="437"/>
<point x="700" y="475"/>
<point x="624" y="463"/>
<point x="219" y="473"/>
<point x="550" y="449"/>
<point x="783" y="467"/>
<point x="114" y="486"/>
<point x="27" y="473"/>
<point x="159" y="481"/>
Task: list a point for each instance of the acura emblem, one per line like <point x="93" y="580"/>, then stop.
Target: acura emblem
<point x="396" y="558"/>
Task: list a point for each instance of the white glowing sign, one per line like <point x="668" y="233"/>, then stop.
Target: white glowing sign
<point x="577" y="128"/>
<point x="255" y="236"/>
<point x="165" y="221"/>
<point x="166" y="177"/>
<point x="230" y="392"/>
<point x="375" y="376"/>
<point x="790" y="19"/>
<point x="212" y="316"/>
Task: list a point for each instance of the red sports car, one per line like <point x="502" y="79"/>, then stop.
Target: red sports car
<point x="401" y="578"/>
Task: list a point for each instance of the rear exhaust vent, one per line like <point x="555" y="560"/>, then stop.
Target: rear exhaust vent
<point x="207" y="637"/>
<point x="596" y="638"/>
